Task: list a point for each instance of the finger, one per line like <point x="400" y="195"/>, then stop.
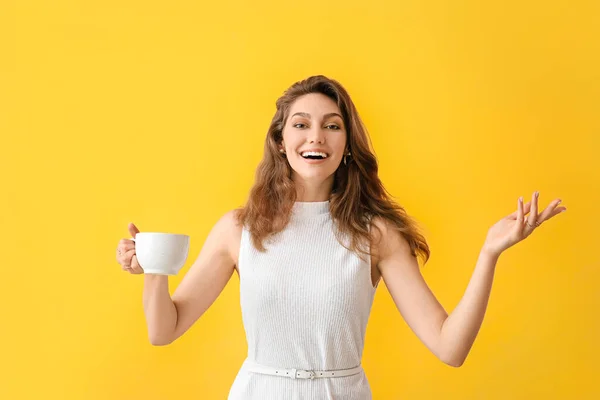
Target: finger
<point x="557" y="211"/>
<point x="125" y="245"/>
<point x="126" y="242"/>
<point x="533" y="214"/>
<point x="127" y="257"/>
<point x="520" y="212"/>
<point x="136" y="268"/>
<point x="526" y="208"/>
<point x="133" y="230"/>
<point x="550" y="211"/>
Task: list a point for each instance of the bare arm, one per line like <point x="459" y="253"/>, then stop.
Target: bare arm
<point x="168" y="318"/>
<point x="448" y="337"/>
<point x="462" y="326"/>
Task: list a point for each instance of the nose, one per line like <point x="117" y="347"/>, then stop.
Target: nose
<point x="316" y="135"/>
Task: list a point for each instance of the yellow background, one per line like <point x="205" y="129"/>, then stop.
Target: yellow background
<point x="155" y="112"/>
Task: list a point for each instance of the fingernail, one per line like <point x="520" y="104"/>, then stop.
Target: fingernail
<point x="537" y="194"/>
<point x="521" y="199"/>
<point x="559" y="201"/>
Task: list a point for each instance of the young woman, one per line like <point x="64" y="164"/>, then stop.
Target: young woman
<point x="317" y="234"/>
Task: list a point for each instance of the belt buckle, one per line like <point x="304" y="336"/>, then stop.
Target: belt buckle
<point x="311" y="374"/>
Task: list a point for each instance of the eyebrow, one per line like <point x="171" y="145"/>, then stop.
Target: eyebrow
<point x="307" y="115"/>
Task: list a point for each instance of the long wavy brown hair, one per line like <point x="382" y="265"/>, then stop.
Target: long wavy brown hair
<point x="357" y="195"/>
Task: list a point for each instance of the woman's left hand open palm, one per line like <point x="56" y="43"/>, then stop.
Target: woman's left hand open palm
<point x="515" y="227"/>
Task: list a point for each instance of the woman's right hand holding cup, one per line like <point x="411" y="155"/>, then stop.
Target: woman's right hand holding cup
<point x="126" y="253"/>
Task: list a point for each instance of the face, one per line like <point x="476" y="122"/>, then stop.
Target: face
<point x="314" y="139"/>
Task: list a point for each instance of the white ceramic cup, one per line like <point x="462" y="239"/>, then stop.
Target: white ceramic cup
<point x="161" y="253"/>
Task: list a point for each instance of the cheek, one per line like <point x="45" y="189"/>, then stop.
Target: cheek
<point x="340" y="145"/>
<point x="288" y="140"/>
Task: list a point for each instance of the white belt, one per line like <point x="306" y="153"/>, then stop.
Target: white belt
<point x="303" y="373"/>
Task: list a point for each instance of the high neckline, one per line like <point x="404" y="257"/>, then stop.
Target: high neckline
<point x="311" y="208"/>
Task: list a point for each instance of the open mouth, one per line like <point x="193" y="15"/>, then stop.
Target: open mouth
<point x="314" y="155"/>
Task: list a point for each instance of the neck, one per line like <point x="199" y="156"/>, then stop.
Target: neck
<point x="307" y="191"/>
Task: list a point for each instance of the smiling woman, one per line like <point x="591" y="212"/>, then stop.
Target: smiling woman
<point x="318" y="115"/>
<point x="317" y="234"/>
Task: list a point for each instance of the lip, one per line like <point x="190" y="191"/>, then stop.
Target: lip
<point x="315" y="149"/>
<point x="311" y="161"/>
<point x="315" y="161"/>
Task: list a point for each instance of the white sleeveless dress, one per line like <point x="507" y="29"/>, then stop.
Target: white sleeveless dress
<point x="305" y="305"/>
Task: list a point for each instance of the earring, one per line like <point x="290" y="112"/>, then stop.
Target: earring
<point x="345" y="155"/>
<point x="282" y="151"/>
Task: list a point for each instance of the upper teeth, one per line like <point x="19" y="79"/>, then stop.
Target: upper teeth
<point x="313" y="153"/>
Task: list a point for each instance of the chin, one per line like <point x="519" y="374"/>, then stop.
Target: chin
<point x="316" y="176"/>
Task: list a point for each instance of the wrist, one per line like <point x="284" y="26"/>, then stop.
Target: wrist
<point x="491" y="254"/>
<point x="152" y="280"/>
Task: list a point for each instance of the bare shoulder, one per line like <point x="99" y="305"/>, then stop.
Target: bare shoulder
<point x="231" y="230"/>
<point x="387" y="240"/>
<point x="209" y="274"/>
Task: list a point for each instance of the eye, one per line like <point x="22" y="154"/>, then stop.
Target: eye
<point x="333" y="126"/>
<point x="299" y="123"/>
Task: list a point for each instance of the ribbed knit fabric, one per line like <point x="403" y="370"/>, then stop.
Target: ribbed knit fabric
<point x="305" y="305"/>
